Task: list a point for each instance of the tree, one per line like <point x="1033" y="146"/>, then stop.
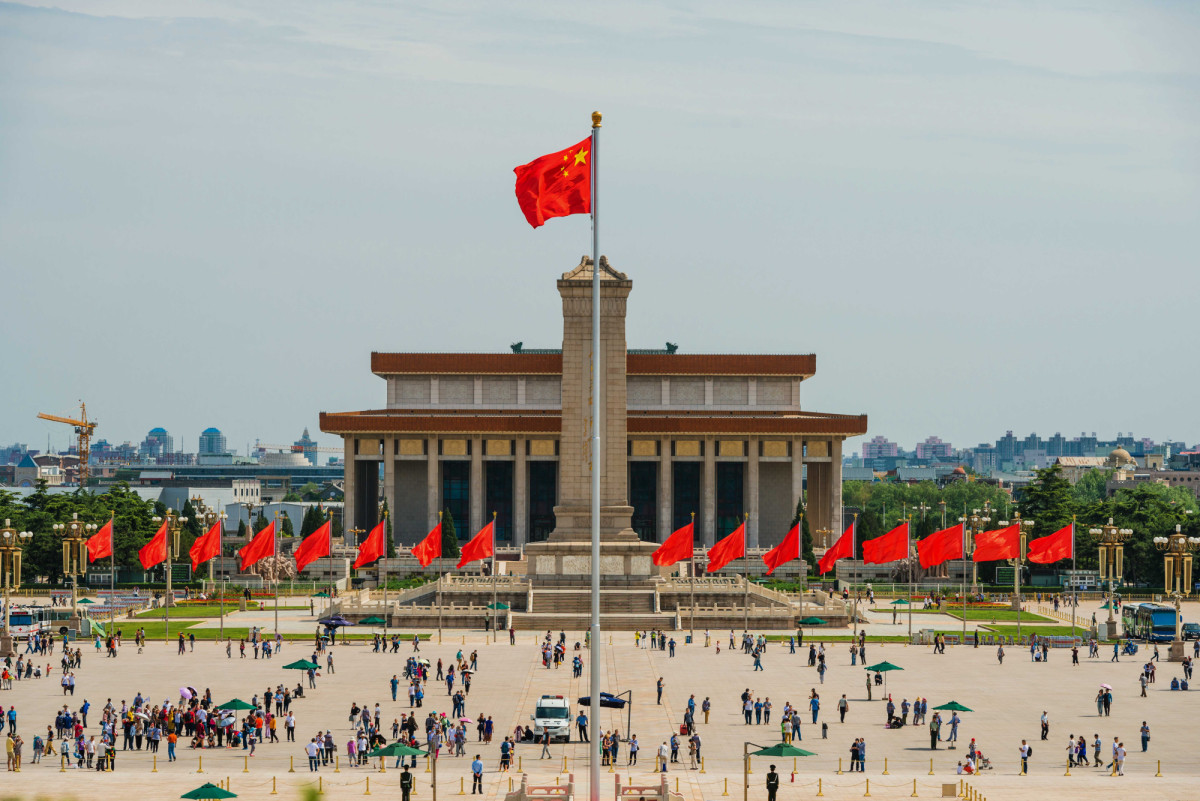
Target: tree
<point x="449" y="536"/>
<point x="292" y="497"/>
<point x="387" y="532"/>
<point x="191" y="530"/>
<point x="1092" y="487"/>
<point x="806" y="540"/>
<point x="241" y="529"/>
<point x="314" y="518"/>
<point x="310" y="492"/>
<point x="285" y="528"/>
<point x="1049" y="501"/>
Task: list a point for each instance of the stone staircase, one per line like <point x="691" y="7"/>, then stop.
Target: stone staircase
<point x="569" y="609"/>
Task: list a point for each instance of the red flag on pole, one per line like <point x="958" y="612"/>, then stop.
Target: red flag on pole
<point x="429" y="548"/>
<point x="890" y="547"/>
<point x="1054" y="547"/>
<point x="478" y="547"/>
<point x="1003" y="543"/>
<point x="842" y="549"/>
<point x="785" y="551"/>
<point x="155" y="551"/>
<point x="729" y="548"/>
<point x="100" y="544"/>
<point x="206" y="547"/>
<point x="556" y="185"/>
<point x="314" y="546"/>
<point x="372" y="547"/>
<point x="676" y="547"/>
<point x="941" y="546"/>
<point x="259" y="548"/>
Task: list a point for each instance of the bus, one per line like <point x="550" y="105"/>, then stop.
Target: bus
<point x="1149" y="622"/>
<point x="24" y="620"/>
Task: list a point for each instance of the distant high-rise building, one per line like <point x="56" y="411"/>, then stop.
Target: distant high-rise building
<point x="880" y="448"/>
<point x="1006" y="448"/>
<point x="933" y="449"/>
<point x="158" y="444"/>
<point x="212" y="443"/>
<point x="307" y="447"/>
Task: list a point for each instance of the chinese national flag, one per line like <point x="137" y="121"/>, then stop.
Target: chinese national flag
<point x="259" y="548"/>
<point x="100" y="544"/>
<point x="556" y="185"/>
<point x="941" y="546"/>
<point x="154" y="551"/>
<point x="1053" y="548"/>
<point x="206" y="547"/>
<point x="731" y="547"/>
<point x="842" y="549"/>
<point x="890" y="547"/>
<point x="478" y="547"/>
<point x="785" y="551"/>
<point x="676" y="547"/>
<point x="372" y="547"/>
<point x="1003" y="543"/>
<point x="429" y="548"/>
<point x="314" y="546"/>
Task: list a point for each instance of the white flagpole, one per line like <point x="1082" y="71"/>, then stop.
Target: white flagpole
<point x="908" y="555"/>
<point x="853" y="556"/>
<point x="594" y="675"/>
<point x="1074" y="580"/>
<point x="962" y="531"/>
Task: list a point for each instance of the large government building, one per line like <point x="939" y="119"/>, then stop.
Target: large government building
<point x="717" y="435"/>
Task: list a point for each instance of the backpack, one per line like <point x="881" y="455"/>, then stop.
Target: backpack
<point x="1028" y="751"/>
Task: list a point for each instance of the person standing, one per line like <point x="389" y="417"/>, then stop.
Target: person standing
<point x="477" y="776"/>
<point x="1025" y="751"/>
<point x="772" y="784"/>
<point x="582" y="723"/>
<point x="660" y="689"/>
<point x="1145" y="736"/>
<point x="935" y="728"/>
<point x="706" y="707"/>
<point x="843" y="707"/>
<point x="1045" y="726"/>
<point x="406" y="784"/>
<point x="664" y="754"/>
<point x="634" y="747"/>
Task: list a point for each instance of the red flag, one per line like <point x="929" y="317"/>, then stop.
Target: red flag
<point x="1003" y="543"/>
<point x="429" y="548"/>
<point x="314" y="546"/>
<point x="785" y="551"/>
<point x="206" y="547"/>
<point x="154" y="551"/>
<point x="731" y="547"/>
<point x="941" y="546"/>
<point x="676" y="547"/>
<point x="100" y="544"/>
<point x="890" y="547"/>
<point x="372" y="547"/>
<point x="842" y="549"/>
<point x="478" y="547"/>
<point x="259" y="548"/>
<point x="556" y="185"/>
<point x="1054" y="547"/>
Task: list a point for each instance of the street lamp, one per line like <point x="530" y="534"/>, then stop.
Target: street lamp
<point x="209" y="517"/>
<point x="74" y="534"/>
<point x="1023" y="527"/>
<point x="175" y="525"/>
<point x="1112" y="563"/>
<point x="976" y="524"/>
<point x="1177" y="576"/>
<point x="11" y="545"/>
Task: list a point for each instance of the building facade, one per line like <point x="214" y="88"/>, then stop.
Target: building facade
<point x="720" y="436"/>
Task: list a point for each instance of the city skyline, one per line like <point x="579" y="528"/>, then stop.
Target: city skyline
<point x="241" y="202"/>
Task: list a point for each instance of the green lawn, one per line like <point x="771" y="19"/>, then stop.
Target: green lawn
<point x="156" y="630"/>
<point x="997" y="614"/>
<point x="197" y="611"/>
<point x="1064" y="631"/>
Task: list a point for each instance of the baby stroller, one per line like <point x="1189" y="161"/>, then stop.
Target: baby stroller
<point x="982" y="762"/>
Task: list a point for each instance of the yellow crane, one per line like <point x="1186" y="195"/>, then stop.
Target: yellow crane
<point x="84" y="429"/>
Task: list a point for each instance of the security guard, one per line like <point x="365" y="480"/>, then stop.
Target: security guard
<point x="406" y="784"/>
<point x="772" y="784"/>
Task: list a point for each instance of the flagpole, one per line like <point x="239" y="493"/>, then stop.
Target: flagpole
<point x="908" y="554"/>
<point x="329" y="556"/>
<point x="220" y="555"/>
<point x="692" y="584"/>
<point x="383" y="575"/>
<point x="963" y="533"/>
<point x="1074" y="580"/>
<point x="441" y="575"/>
<point x="854" y="555"/>
<point x="494" y="609"/>
<point x="594" y="674"/>
<point x="112" y="577"/>
<point x="746" y="583"/>
<point x="275" y="567"/>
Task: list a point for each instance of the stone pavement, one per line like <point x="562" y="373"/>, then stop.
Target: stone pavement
<point x="1007" y="701"/>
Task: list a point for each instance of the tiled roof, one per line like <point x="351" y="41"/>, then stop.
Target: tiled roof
<point x="635" y="364"/>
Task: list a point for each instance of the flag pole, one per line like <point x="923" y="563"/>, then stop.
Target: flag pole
<point x="908" y="555"/>
<point x="853" y="556"/>
<point x="594" y="674"/>
<point x="494" y="609"/>
<point x="441" y="575"/>
<point x="383" y="575"/>
<point x="692" y="584"/>
<point x="275" y="567"/>
<point x="1074" y="580"/>
<point x="746" y="582"/>
<point x="112" y="577"/>
<point x="963" y="533"/>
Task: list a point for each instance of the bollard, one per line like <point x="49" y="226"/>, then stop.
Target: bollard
<point x="931" y="766"/>
<point x="726" y="790"/>
<point x="914" y="792"/>
<point x="368" y="790"/>
<point x="337" y="763"/>
<point x="793" y="765"/>
<point x="273" y="791"/>
<point x="427" y="764"/>
<point x="62" y="763"/>
<point x="656" y="765"/>
<point x="510" y="784"/>
<point x="154" y="764"/>
<point x="461" y="790"/>
<point x="320" y="783"/>
<point x="1022" y="767"/>
<point x="291" y="764"/>
<point x="383" y="764"/>
<point x="1158" y="775"/>
<point x="885" y="773"/>
<point x="819" y="793"/>
<point x="245" y="764"/>
<point x="839" y="766"/>
<point x="564" y="767"/>
<point x="702" y="764"/>
<point x="200" y="764"/>
<point x="555" y="781"/>
<point x="1068" y="773"/>
<point x="960" y="789"/>
<point x="867" y="794"/>
<point x="677" y="784"/>
<point x="519" y="768"/>
<point x="1114" y="767"/>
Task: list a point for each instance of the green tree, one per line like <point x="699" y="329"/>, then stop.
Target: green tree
<point x="292" y="497"/>
<point x="1092" y="487"/>
<point x="1049" y="501"/>
<point x="310" y="492"/>
<point x="285" y="526"/>
<point x="241" y="529"/>
<point x="806" y="540"/>
<point x="191" y="530"/>
<point x="449" y="536"/>
<point x="314" y="518"/>
<point x="390" y="552"/>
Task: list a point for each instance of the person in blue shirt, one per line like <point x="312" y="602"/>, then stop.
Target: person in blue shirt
<point x="814" y="704"/>
<point x="758" y="710"/>
<point x="953" y="736"/>
<point x="477" y="776"/>
<point x="83" y="712"/>
<point x="582" y="723"/>
<point x="395" y="686"/>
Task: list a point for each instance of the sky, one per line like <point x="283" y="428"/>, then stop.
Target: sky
<point x="979" y="217"/>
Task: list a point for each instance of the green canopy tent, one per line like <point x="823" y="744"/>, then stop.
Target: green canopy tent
<point x="901" y="602"/>
<point x="953" y="706"/>
<point x="86" y="601"/>
<point x="500" y="606"/>
<point x="812" y="621"/>
<point x="777" y="750"/>
<point x="884" y="668"/>
<point x="319" y="595"/>
<point x="396" y="750"/>
<point x="302" y="664"/>
<point x="209" y="792"/>
<point x="373" y="620"/>
<point x="237" y="704"/>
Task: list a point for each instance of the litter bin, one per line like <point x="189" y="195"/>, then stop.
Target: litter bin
<point x="687" y="639"/>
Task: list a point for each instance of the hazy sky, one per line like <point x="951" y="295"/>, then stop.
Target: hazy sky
<point x="979" y="216"/>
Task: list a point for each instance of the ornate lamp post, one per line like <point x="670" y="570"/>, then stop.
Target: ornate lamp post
<point x="1023" y="528"/>
<point x="208" y="518"/>
<point x="976" y="524"/>
<point x="11" y="545"/>
<point x="1177" y="577"/>
<point x="74" y="533"/>
<point x="174" y="529"/>
<point x="1112" y="564"/>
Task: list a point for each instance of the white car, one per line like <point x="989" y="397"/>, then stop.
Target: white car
<point x="553" y="713"/>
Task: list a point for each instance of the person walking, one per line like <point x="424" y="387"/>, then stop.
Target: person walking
<point x="843" y="707"/>
<point x="546" y="745"/>
<point x="1119" y="759"/>
<point x="1045" y="726"/>
<point x="705" y="708"/>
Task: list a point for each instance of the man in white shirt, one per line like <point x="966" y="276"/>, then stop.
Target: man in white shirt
<point x="664" y="755"/>
<point x="313" y="751"/>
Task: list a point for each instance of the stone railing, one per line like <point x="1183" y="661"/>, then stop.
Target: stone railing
<point x="484" y="582"/>
<point x="660" y="791"/>
<point x="525" y="791"/>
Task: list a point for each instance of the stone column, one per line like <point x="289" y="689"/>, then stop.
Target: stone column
<point x="388" y="445"/>
<point x="348" y="521"/>
<point x="708" y="503"/>
<point x="666" y="509"/>
<point x="520" y="495"/>
<point x="432" y="482"/>
<point x="835" y="491"/>
<point x="477" y="488"/>
<point x="752" y="492"/>
<point x="797" y="471"/>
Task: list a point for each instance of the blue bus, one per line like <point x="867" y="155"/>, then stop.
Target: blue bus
<point x="1149" y="622"/>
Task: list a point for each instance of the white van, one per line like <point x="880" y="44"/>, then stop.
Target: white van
<point x="553" y="713"/>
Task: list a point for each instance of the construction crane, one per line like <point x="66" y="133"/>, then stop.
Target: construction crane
<point x="83" y="429"/>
